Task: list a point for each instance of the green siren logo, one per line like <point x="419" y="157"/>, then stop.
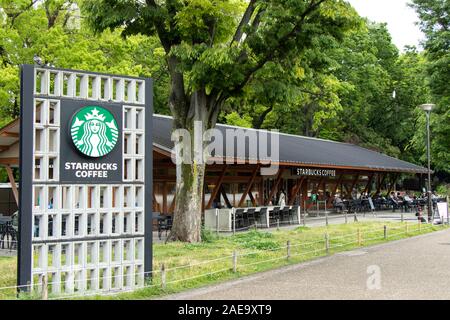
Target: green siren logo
<point x="94" y="131"/>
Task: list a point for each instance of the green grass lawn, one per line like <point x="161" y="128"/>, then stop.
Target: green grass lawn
<point x="187" y="265"/>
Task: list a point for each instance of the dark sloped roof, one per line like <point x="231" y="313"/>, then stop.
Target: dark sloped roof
<point x="304" y="151"/>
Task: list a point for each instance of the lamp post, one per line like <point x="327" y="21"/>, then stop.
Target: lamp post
<point x="427" y="108"/>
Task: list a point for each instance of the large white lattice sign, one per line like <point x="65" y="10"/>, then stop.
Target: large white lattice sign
<point x="86" y="179"/>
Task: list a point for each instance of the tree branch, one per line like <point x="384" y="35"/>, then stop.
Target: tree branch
<point x="271" y="53"/>
<point x="159" y="26"/>
<point x="244" y="21"/>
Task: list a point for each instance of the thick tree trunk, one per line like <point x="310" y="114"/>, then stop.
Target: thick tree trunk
<point x="190" y="176"/>
<point x="188" y="206"/>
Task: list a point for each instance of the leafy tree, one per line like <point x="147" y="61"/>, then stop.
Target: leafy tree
<point x="435" y="23"/>
<point x="213" y="49"/>
<point x="54" y="31"/>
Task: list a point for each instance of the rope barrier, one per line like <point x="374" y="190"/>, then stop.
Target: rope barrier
<point x="303" y="244"/>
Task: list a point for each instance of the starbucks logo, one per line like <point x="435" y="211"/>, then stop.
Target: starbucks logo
<point x="94" y="131"/>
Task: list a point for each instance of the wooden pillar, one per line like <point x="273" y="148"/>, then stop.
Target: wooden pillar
<point x="249" y="187"/>
<point x="354" y="183"/>
<point x="393" y="182"/>
<point x="172" y="206"/>
<point x="261" y="193"/>
<point x="12" y="182"/>
<point x="225" y="197"/>
<point x="369" y="183"/>
<point x="304" y="189"/>
<point x="165" y="197"/>
<point x="339" y="181"/>
<point x="216" y="187"/>
<point x="381" y="181"/>
<point x="276" y="184"/>
<point x="295" y="190"/>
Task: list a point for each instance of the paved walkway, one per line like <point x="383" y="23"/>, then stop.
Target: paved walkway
<point x="414" y="268"/>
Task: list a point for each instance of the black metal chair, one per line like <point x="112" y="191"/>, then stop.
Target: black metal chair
<point x="262" y="217"/>
<point x="392" y="204"/>
<point x="274" y="215"/>
<point x="164" y="224"/>
<point x="284" y="215"/>
<point x="250" y="217"/>
<point x="293" y="214"/>
<point x="239" y="217"/>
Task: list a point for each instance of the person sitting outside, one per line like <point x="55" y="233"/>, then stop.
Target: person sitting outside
<point x="393" y="200"/>
<point x="338" y="203"/>
<point x="407" y="202"/>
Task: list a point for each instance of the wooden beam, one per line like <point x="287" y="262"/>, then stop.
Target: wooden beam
<point x="216" y="187"/>
<point x="353" y="184"/>
<point x="155" y="203"/>
<point x="393" y="182"/>
<point x="226" y="179"/>
<point x="172" y="206"/>
<point x="275" y="186"/>
<point x="225" y="197"/>
<point x="164" y="197"/>
<point x="381" y="182"/>
<point x="252" y="199"/>
<point x="369" y="183"/>
<point x="249" y="186"/>
<point x="295" y="190"/>
<point x="13" y="184"/>
<point x="335" y="188"/>
<point x="10" y="134"/>
<point x="9" y="161"/>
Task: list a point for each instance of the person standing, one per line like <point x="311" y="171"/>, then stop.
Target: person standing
<point x="282" y="199"/>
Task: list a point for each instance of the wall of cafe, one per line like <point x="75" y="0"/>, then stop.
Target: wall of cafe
<point x="241" y="185"/>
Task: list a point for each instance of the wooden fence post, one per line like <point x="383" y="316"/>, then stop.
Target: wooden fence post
<point x="217" y="221"/>
<point x="44" y="287"/>
<point x="288" y="249"/>
<point x="327" y="243"/>
<point x="278" y="224"/>
<point x="233" y="214"/>
<point x="163" y="276"/>
<point x="385" y="232"/>
<point x="234" y="261"/>
<point x="326" y="216"/>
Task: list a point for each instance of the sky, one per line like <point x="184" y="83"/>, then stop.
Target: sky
<point x="399" y="17"/>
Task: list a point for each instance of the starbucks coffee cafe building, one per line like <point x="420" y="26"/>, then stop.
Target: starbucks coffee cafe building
<point x="95" y="163"/>
<point x="306" y="166"/>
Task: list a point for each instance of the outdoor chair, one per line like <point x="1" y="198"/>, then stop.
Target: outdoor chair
<point x="392" y="204"/>
<point x="293" y="214"/>
<point x="250" y="217"/>
<point x="284" y="215"/>
<point x="274" y="215"/>
<point x="239" y="218"/>
<point x="164" y="224"/>
<point x="262" y="216"/>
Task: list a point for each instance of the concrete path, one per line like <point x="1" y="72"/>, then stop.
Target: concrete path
<point x="414" y="268"/>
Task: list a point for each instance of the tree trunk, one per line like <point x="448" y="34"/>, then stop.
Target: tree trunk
<point x="190" y="176"/>
<point x="188" y="204"/>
